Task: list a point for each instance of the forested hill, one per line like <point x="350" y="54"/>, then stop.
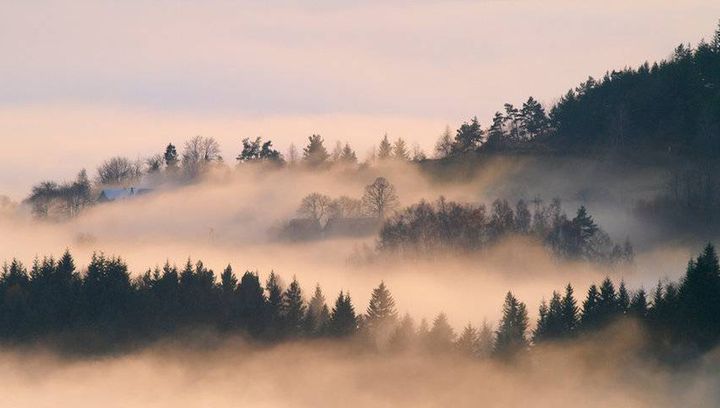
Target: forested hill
<point x="671" y="107"/>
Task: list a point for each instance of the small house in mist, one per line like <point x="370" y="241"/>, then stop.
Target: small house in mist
<point x="352" y="227"/>
<point x="115" y="194"/>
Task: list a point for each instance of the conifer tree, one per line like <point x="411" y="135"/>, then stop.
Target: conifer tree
<point x="251" y="303"/>
<point x="385" y="149"/>
<point x="469" y="137"/>
<point x="400" y="150"/>
<point x="317" y="317"/>
<point x="343" y="321"/>
<point x="569" y="311"/>
<point x="699" y="299"/>
<point x="315" y="154"/>
<point x="441" y="335"/>
<point x="638" y="304"/>
<point x="486" y="341"/>
<point x="510" y="337"/>
<point x="623" y="299"/>
<point x="293" y="308"/>
<point x="467" y="343"/>
<point x="171" y="158"/>
<point x="381" y="312"/>
<point x="274" y="304"/>
<point x="591" y="308"/>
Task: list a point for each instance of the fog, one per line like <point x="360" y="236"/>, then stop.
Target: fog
<point x="605" y="371"/>
<point x="229" y="218"/>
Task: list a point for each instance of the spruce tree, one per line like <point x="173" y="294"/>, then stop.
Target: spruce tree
<point x="569" y="311"/>
<point x="699" y="299"/>
<point x="343" y="321"/>
<point x="510" y="336"/>
<point x="441" y="336"/>
<point x="274" y="305"/>
<point x="400" y="150"/>
<point x="293" y="308"/>
<point x="590" y="308"/>
<point x="381" y="311"/>
<point x="317" y="317"/>
<point x="385" y="149"/>
<point x="467" y="343"/>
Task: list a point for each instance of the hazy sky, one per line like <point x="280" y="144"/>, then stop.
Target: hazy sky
<point x="83" y="80"/>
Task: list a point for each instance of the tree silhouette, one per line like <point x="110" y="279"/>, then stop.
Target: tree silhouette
<point x="510" y="336"/>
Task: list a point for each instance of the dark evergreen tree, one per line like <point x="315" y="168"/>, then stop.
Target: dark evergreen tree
<point x="293" y="309"/>
<point x="343" y="321"/>
<point x="569" y="311"/>
<point x="699" y="300"/>
<point x="251" y="303"/>
<point x="510" y="336"/>
<point x="469" y="137"/>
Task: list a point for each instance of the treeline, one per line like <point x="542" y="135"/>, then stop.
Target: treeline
<point x="670" y="107"/>
<point x="102" y="308"/>
<point x="426" y="228"/>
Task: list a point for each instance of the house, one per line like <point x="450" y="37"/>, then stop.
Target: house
<point x="114" y="194"/>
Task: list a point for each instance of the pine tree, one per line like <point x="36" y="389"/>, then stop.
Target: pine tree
<point x="590" y="308"/>
<point x="317" y="317"/>
<point x="623" y="298"/>
<point x="293" y="308"/>
<point x="343" y="321"/>
<point x="608" y="306"/>
<point x="251" y="303"/>
<point x="441" y="336"/>
<point x="228" y="281"/>
<point x="381" y="311"/>
<point x="467" y="343"/>
<point x="469" y="137"/>
<point x="171" y="158"/>
<point x="274" y="305"/>
<point x="348" y="155"/>
<point x="639" y="305"/>
<point x="699" y="300"/>
<point x="400" y="150"/>
<point x="385" y="149"/>
<point x="496" y="137"/>
<point x="569" y="311"/>
<point x="315" y="154"/>
<point x="510" y="336"/>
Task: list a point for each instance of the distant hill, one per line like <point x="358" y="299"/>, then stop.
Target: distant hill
<point x="666" y="109"/>
<point x="673" y="105"/>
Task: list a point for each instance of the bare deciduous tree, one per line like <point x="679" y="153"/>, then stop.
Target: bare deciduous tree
<point x="345" y="207"/>
<point x="315" y="206"/>
<point x="198" y="153"/>
<point x="119" y="171"/>
<point x="380" y="197"/>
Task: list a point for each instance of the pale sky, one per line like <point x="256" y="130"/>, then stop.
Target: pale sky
<point x="81" y="80"/>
